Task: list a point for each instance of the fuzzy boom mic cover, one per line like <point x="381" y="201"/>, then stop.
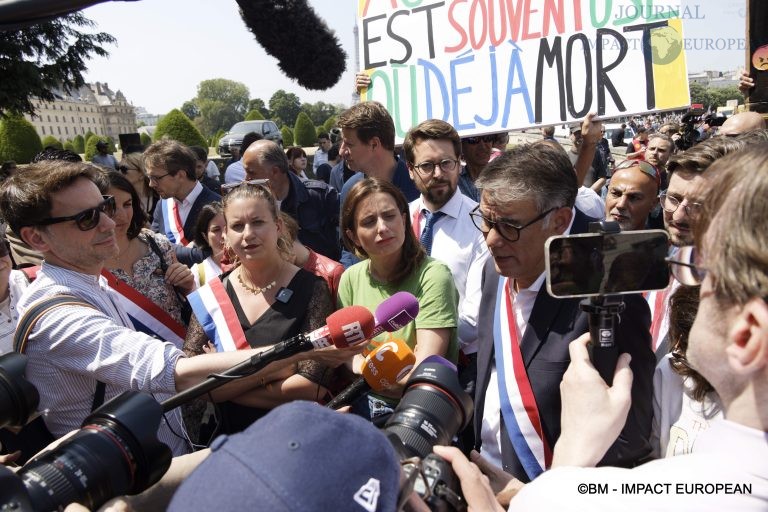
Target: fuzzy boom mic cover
<point x="307" y="50"/>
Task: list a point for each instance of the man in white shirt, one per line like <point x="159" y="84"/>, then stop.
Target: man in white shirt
<point x="321" y="154"/>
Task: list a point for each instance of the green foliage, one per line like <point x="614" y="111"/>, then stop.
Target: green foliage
<point x="79" y="144"/>
<point x="87" y="136"/>
<point x="285" y="108"/>
<point x="18" y="140"/>
<point x="320" y="111"/>
<point x="175" y="125"/>
<point x="254" y="115"/>
<point x="287" y="134"/>
<point x="39" y="58"/>
<point x="221" y="104"/>
<point x="111" y="145"/>
<point x="258" y="104"/>
<point x="146" y="140"/>
<point x="50" y="140"/>
<point x="319" y="130"/>
<point x="329" y="123"/>
<point x="304" y="132"/>
<point x="90" y="147"/>
<point x="190" y="109"/>
<point x="215" y="138"/>
<point x="713" y="97"/>
<point x="70" y="146"/>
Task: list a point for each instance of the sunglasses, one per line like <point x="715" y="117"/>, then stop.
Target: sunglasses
<point x="475" y="140"/>
<point x="684" y="266"/>
<point x="86" y="219"/>
<point x="229" y="187"/>
<point x="124" y="169"/>
<point x="644" y="166"/>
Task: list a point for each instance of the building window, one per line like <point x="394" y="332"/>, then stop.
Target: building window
<point x="49" y="118"/>
<point x="57" y="118"/>
<point x="59" y="129"/>
<point x="43" y="129"/>
<point x="73" y="119"/>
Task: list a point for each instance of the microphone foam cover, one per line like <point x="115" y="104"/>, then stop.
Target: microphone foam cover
<point x="397" y="311"/>
<point x="350" y="326"/>
<point x="307" y="50"/>
<point x="387" y="364"/>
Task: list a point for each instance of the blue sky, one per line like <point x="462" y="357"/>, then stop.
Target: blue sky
<point x="166" y="47"/>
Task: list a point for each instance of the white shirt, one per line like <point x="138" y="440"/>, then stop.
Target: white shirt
<point x="9" y="313"/>
<point x="212" y="170"/>
<point x="727" y="453"/>
<point x="662" y="312"/>
<point x="461" y="246"/>
<point x="320" y="157"/>
<point x="490" y="431"/>
<point x="235" y="172"/>
<point x="185" y="206"/>
<point x="590" y="203"/>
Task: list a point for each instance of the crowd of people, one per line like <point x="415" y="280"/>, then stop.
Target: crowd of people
<point x="177" y="274"/>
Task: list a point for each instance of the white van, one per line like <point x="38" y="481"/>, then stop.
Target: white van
<point x="610" y="128"/>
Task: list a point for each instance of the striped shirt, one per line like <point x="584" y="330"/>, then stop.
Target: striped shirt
<point x="73" y="347"/>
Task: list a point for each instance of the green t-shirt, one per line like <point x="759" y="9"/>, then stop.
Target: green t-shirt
<point x="431" y="283"/>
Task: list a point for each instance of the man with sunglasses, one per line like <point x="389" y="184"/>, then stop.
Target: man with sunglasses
<point x="476" y="152"/>
<point x="59" y="210"/>
<point x="528" y="195"/>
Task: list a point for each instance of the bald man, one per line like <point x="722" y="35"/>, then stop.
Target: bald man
<point x="632" y="194"/>
<point x="742" y="122"/>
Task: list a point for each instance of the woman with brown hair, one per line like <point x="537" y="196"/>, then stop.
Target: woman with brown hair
<point x="263" y="300"/>
<point x="132" y="167"/>
<point x="376" y="226"/>
<point x="297" y="161"/>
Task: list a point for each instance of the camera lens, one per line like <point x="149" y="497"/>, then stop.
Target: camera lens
<point x="115" y="453"/>
<point x="18" y="398"/>
<point x="434" y="408"/>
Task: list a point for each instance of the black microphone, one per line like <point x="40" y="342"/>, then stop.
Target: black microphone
<point x="307" y="50"/>
<point x="346" y="327"/>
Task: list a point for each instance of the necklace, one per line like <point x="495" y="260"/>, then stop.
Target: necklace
<point x="254" y="290"/>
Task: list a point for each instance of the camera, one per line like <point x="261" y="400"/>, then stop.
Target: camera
<point x="116" y="451"/>
<point x="433" y="409"/>
<point x="690" y="135"/>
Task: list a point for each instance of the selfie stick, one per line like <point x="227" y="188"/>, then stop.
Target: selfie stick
<point x="603" y="312"/>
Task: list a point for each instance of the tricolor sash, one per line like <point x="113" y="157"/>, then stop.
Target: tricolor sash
<point x="518" y="404"/>
<point x="205" y="271"/>
<point x="217" y="316"/>
<point x="174" y="229"/>
<point x="145" y="315"/>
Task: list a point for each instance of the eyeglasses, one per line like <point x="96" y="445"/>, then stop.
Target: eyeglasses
<point x="684" y="266"/>
<point x="427" y="168"/>
<point x="156" y="179"/>
<point x="86" y="219"/>
<point x="229" y="187"/>
<point x="644" y="166"/>
<point x="506" y="229"/>
<point x="490" y="139"/>
<point x="670" y="204"/>
<point x="124" y="169"/>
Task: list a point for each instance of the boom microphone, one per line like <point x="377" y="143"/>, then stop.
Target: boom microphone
<point x="346" y="327"/>
<point x="387" y="364"/>
<point x="306" y="49"/>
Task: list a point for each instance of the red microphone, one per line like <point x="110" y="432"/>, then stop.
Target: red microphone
<point x="346" y="327"/>
<point x="384" y="366"/>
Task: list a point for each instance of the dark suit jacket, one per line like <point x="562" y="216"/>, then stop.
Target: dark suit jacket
<point x="187" y="255"/>
<point x="553" y="324"/>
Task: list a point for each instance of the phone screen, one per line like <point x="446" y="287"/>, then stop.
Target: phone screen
<point x="602" y="264"/>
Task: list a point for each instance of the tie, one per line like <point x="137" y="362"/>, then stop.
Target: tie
<point x="429" y="228"/>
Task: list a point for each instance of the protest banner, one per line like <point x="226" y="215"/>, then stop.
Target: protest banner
<point x="497" y="65"/>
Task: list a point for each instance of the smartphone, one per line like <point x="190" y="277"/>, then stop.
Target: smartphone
<point x="591" y="264"/>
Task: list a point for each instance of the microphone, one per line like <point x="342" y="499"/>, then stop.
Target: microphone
<point x="306" y="49"/>
<point x="346" y="327"/>
<point x="384" y="366"/>
<point x="395" y="313"/>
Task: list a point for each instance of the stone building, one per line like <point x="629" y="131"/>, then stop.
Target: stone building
<point x="93" y="107"/>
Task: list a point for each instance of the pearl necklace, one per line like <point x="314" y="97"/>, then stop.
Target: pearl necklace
<point x="257" y="290"/>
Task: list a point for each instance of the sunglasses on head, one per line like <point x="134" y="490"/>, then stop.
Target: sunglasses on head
<point x="229" y="187"/>
<point x="644" y="166"/>
<point x="86" y="219"/>
<point x="475" y="140"/>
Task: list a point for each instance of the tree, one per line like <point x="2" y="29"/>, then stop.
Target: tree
<point x="146" y="140"/>
<point x="90" y="147"/>
<point x="190" y="109"/>
<point x="36" y="60"/>
<point x="258" y="104"/>
<point x="329" y="123"/>
<point x="319" y="112"/>
<point x="69" y="146"/>
<point x="87" y="136"/>
<point x="304" y="133"/>
<point x="175" y="125"/>
<point x="287" y="134"/>
<point x="253" y="115"/>
<point x="79" y="143"/>
<point x="51" y="141"/>
<point x="721" y="95"/>
<point x="221" y="103"/>
<point x="18" y="140"/>
<point x="285" y="107"/>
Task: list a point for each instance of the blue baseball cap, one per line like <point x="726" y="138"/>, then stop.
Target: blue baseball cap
<point x="300" y="456"/>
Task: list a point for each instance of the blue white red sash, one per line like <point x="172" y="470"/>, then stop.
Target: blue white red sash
<point x="205" y="271"/>
<point x="145" y="315"/>
<point x="217" y="316"/>
<point x="518" y="404"/>
<point x="174" y="229"/>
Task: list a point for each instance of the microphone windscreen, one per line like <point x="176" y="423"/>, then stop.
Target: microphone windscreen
<point x="307" y="50"/>
<point x="440" y="360"/>
<point x="387" y="364"/>
<point x="397" y="311"/>
<point x="350" y="326"/>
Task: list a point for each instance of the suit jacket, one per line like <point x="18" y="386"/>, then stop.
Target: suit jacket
<point x="552" y="325"/>
<point x="187" y="255"/>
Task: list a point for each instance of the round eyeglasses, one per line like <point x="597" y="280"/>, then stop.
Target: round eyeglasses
<point x="670" y="204"/>
<point x="428" y="168"/>
<point x="684" y="265"/>
<point x="506" y="229"/>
